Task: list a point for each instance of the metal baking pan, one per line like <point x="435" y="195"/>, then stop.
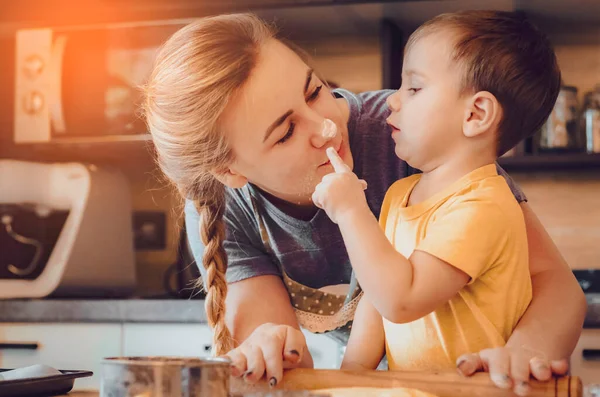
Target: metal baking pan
<point x="41" y="386"/>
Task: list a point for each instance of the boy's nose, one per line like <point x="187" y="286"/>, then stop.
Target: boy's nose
<point x="393" y="101"/>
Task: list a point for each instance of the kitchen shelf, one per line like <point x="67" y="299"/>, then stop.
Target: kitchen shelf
<point x="52" y="12"/>
<point x="551" y="162"/>
<point x="135" y="154"/>
<point x="301" y="17"/>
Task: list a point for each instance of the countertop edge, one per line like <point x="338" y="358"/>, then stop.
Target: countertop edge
<point x="189" y="311"/>
<point x="103" y="311"/>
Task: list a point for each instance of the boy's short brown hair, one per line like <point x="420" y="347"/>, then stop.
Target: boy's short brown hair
<point x="504" y="54"/>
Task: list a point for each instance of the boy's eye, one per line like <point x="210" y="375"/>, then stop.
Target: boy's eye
<point x="414" y="90"/>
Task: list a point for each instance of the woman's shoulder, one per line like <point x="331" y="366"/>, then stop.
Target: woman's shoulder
<point x="368" y="106"/>
<point x="238" y="210"/>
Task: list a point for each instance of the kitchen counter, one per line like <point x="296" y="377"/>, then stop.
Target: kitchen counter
<point x="103" y="311"/>
<point x="146" y="310"/>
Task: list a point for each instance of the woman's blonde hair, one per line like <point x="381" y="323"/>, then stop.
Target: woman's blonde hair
<point x="196" y="74"/>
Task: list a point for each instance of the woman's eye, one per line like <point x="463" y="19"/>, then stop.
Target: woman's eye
<point x="288" y="134"/>
<point x="315" y="94"/>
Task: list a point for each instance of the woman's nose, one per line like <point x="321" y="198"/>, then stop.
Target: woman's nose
<point x="393" y="101"/>
<point x="323" y="132"/>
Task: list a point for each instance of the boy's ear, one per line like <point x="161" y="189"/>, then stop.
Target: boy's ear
<point x="231" y="178"/>
<point x="482" y="113"/>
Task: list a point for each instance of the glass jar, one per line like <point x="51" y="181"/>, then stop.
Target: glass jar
<point x="591" y="120"/>
<point x="561" y="131"/>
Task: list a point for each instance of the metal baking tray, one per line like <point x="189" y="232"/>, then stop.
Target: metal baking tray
<point x="41" y="386"/>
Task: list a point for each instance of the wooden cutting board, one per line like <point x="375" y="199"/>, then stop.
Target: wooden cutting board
<point x="372" y="392"/>
<point x="440" y="384"/>
<point x="380" y="383"/>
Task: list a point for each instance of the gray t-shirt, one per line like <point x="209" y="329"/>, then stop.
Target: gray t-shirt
<point x="311" y="252"/>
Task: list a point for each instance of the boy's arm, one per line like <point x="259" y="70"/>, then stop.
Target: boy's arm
<point x="463" y="240"/>
<point x="366" y="345"/>
<point x="401" y="289"/>
<point x="404" y="289"/>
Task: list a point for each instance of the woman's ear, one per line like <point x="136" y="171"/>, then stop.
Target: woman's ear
<point x="482" y="113"/>
<point x="231" y="178"/>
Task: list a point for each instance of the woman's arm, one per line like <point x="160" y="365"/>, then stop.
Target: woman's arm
<point x="553" y="322"/>
<point x="264" y="326"/>
<point x="549" y="330"/>
<point x="258" y="310"/>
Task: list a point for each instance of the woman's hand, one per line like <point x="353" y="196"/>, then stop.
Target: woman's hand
<point x="510" y="367"/>
<point x="267" y="351"/>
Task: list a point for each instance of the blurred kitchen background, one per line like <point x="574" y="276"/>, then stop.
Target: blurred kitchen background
<point x="86" y="217"/>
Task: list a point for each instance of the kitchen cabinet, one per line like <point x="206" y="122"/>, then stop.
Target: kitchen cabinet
<point x="326" y="353"/>
<point x="62" y="346"/>
<point x="82" y="346"/>
<point x="166" y="340"/>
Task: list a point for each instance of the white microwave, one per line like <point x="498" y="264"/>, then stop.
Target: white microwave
<point x="81" y="84"/>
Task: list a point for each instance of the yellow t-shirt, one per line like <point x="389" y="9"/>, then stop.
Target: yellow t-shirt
<point x="477" y="226"/>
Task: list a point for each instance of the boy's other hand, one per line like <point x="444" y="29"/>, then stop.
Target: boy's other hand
<point x="340" y="192"/>
<point x="511" y="368"/>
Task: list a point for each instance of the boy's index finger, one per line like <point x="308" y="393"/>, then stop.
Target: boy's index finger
<point x="336" y="161"/>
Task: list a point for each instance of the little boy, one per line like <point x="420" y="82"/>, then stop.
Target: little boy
<point x="448" y="274"/>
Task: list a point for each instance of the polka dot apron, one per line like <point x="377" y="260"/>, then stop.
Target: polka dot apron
<point x="317" y="311"/>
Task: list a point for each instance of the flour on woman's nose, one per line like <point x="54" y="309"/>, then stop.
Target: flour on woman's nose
<point x="328" y="129"/>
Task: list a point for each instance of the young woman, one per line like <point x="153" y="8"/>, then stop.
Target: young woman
<point x="237" y="119"/>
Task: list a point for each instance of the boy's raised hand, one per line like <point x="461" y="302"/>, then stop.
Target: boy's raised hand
<point x="341" y="192"/>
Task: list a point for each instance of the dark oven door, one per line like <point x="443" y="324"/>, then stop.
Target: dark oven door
<point x="83" y="84"/>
